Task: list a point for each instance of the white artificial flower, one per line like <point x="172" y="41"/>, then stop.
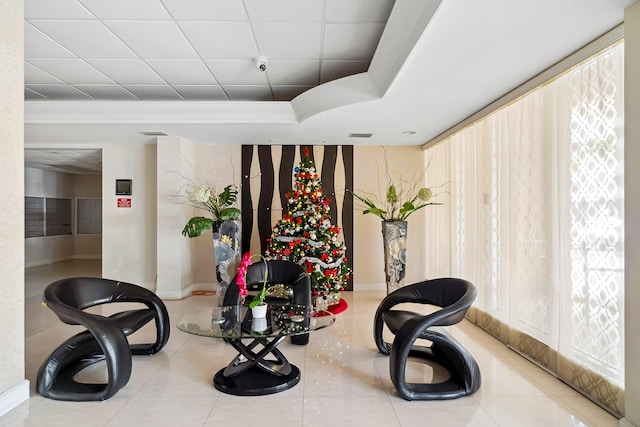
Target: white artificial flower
<point x="201" y="194"/>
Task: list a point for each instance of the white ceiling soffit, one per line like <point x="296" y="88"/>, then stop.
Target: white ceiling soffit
<point x="437" y="63"/>
<point x="73" y="161"/>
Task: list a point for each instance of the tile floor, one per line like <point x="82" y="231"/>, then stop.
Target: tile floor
<point x="345" y="382"/>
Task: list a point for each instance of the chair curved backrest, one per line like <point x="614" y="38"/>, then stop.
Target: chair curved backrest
<point x="453" y="296"/>
<point x="105" y="337"/>
<point x="280" y="272"/>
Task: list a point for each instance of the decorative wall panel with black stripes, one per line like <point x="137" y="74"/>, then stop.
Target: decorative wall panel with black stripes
<point x="268" y="174"/>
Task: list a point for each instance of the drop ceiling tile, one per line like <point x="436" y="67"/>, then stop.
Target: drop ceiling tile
<point x="55" y="9"/>
<point x="127" y="71"/>
<point x="288" y="40"/>
<point x="64" y="92"/>
<point x="249" y="93"/>
<point x="126" y="9"/>
<point x="335" y="69"/>
<point x="39" y="45"/>
<point x="106" y="92"/>
<point x="221" y="40"/>
<point x="237" y="72"/>
<point x="34" y="75"/>
<point x="351" y="41"/>
<point x="182" y="71"/>
<point x="202" y="93"/>
<point x="290" y="72"/>
<point x="153" y="39"/>
<point x="359" y="10"/>
<point x="71" y="70"/>
<point x="154" y="92"/>
<point x="88" y="39"/>
<point x="30" y="95"/>
<point x="207" y="10"/>
<point x="287" y="93"/>
<point x="285" y="10"/>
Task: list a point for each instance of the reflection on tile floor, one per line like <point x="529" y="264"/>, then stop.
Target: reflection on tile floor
<point x="345" y="382"/>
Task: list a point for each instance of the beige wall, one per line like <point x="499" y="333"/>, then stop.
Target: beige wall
<point x="87" y="185"/>
<point x="632" y="214"/>
<point x="14" y="389"/>
<point x="186" y="265"/>
<point x="129" y="234"/>
<point x="368" y="262"/>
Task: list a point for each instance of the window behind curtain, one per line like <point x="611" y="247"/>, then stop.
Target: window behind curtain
<point x="536" y="222"/>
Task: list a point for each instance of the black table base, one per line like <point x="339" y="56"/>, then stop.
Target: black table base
<point x="252" y="373"/>
<point x="255" y="382"/>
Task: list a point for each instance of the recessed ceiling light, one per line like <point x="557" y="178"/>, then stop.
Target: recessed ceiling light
<point x="409" y="132"/>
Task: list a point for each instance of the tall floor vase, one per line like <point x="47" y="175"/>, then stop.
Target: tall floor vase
<point x="394" y="236"/>
<point x="227" y="239"/>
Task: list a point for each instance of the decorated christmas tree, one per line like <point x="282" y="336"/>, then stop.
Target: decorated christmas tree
<point x="305" y="235"/>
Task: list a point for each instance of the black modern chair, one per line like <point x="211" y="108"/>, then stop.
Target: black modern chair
<point x="105" y="338"/>
<point x="291" y="277"/>
<point x="453" y="297"/>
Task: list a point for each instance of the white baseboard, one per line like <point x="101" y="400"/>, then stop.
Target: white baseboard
<point x="87" y="257"/>
<point x="186" y="292"/>
<point x="624" y="423"/>
<point x="371" y="286"/>
<point x="14" y="397"/>
<point x="30" y="264"/>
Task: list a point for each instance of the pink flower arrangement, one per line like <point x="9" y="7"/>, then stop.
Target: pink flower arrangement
<point x="241" y="280"/>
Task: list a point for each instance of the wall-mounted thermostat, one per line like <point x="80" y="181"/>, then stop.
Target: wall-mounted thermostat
<point x="123" y="187"/>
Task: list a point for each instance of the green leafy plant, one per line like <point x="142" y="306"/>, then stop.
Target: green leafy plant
<point x="402" y="196"/>
<point x="396" y="209"/>
<point x="221" y="207"/>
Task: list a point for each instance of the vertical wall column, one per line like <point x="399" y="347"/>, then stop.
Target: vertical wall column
<point x="632" y="213"/>
<point x="173" y="250"/>
<point x="14" y="388"/>
<point x="128" y="226"/>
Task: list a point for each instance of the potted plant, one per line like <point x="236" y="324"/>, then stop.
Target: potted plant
<point x="257" y="304"/>
<point x="223" y="219"/>
<point x="221" y="207"/>
<point x="402" y="197"/>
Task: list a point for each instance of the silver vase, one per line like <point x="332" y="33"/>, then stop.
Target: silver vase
<point x="394" y="236"/>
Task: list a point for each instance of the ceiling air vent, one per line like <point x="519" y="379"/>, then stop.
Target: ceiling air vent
<point x="360" y="135"/>
<point x="153" y="133"/>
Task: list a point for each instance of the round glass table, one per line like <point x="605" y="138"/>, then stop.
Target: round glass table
<point x="260" y="367"/>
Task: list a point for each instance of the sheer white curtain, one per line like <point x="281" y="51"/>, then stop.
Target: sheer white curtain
<point x="439" y="232"/>
<point x="535" y="219"/>
<point x="594" y="239"/>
